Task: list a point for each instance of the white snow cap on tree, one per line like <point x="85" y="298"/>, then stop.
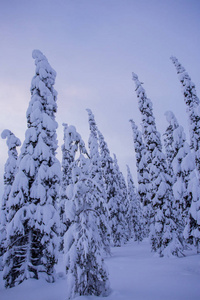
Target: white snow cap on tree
<point x="12" y="140"/>
<point x="73" y="140"/>
<point x="43" y="68"/>
<point x="170" y="117"/>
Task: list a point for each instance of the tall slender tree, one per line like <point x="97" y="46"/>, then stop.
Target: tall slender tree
<point x="111" y="179"/>
<point x="72" y="143"/>
<point x="10" y="171"/>
<point x="142" y="175"/>
<point x="193" y="109"/>
<point x="96" y="175"/>
<point x="116" y="194"/>
<point x="33" y="228"/>
<point x="182" y="165"/>
<point x="163" y="235"/>
<point x="182" y="162"/>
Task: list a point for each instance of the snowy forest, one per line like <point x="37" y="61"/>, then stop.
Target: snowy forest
<point x="83" y="206"/>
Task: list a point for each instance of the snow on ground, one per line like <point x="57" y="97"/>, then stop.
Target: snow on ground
<point x="135" y="274"/>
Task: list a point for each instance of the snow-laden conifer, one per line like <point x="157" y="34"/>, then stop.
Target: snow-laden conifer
<point x="10" y="170"/>
<point x="106" y="165"/>
<point x="193" y="109"/>
<point x="124" y="194"/>
<point x="192" y="230"/>
<point x="168" y="141"/>
<point x="182" y="164"/>
<point x="83" y="245"/>
<point x="100" y="197"/>
<point x="134" y="215"/>
<point x="163" y="233"/>
<point x="32" y="232"/>
<point x="72" y="142"/>
<point x="116" y="192"/>
<point x="119" y="210"/>
<point x="111" y="180"/>
<point x="142" y="175"/>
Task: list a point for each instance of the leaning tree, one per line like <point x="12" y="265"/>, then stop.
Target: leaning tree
<point x="163" y="232"/>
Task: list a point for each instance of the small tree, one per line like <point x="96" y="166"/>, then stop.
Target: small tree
<point x="106" y="166"/>
<point x="119" y="208"/>
<point x="134" y="215"/>
<point x="85" y="268"/>
<point x="10" y="171"/>
<point x="169" y="142"/>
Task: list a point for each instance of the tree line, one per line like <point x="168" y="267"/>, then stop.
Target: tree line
<point x="82" y="206"/>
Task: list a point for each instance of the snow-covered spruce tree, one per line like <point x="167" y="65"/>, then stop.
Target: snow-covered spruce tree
<point x="119" y="211"/>
<point x="32" y="232"/>
<point x="135" y="218"/>
<point x="124" y="193"/>
<point x="182" y="165"/>
<point x="72" y="142"/>
<point x="10" y="170"/>
<point x="85" y="268"/>
<point x="168" y="141"/>
<point x="116" y="192"/>
<point x="163" y="232"/>
<point x="100" y="198"/>
<point x="142" y="176"/>
<point x="193" y="109"/>
<point x="111" y="186"/>
<point x="192" y="230"/>
<point x="107" y="166"/>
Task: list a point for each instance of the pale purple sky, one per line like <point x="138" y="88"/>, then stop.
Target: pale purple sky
<point x="94" y="45"/>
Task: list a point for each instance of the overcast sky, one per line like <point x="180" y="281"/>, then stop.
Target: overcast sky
<point x="94" y="46"/>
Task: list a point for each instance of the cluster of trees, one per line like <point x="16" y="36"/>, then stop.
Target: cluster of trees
<point x="168" y="181"/>
<point x="79" y="207"/>
<point x="84" y="205"/>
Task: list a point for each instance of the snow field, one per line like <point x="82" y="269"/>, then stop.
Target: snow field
<point x="135" y="274"/>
